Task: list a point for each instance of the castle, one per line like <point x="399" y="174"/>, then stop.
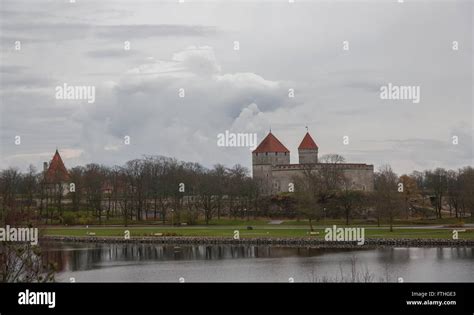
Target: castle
<point x="271" y="166"/>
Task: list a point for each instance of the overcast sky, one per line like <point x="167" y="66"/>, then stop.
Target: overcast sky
<point x="283" y="46"/>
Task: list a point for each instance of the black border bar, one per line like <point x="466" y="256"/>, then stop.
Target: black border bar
<point x="242" y="297"/>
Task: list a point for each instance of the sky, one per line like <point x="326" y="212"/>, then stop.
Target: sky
<point x="300" y="46"/>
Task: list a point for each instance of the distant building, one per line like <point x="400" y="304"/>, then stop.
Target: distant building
<point x="56" y="175"/>
<point x="271" y="166"/>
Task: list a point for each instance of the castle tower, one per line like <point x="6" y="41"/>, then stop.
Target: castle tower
<point x="56" y="175"/>
<point x="270" y="152"/>
<point x="56" y="172"/>
<point x="308" y="150"/>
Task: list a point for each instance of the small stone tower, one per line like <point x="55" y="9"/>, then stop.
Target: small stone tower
<point x="56" y="175"/>
<point x="270" y="152"/>
<point x="308" y="150"/>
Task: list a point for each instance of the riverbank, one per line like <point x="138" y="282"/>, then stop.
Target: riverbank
<point x="256" y="231"/>
<point x="293" y="242"/>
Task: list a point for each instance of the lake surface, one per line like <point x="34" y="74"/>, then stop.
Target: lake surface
<point x="87" y="262"/>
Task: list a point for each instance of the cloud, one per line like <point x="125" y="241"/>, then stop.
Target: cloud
<point x="145" y="105"/>
<point x="191" y="62"/>
<point x="16" y="77"/>
<point x="111" y="53"/>
<point x="66" y="154"/>
<point x="64" y="31"/>
<point x="421" y="153"/>
<point x="198" y="60"/>
<point x="148" y="31"/>
<point x="11" y="69"/>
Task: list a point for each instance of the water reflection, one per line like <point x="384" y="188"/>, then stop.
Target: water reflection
<point x="152" y="262"/>
<point x="71" y="256"/>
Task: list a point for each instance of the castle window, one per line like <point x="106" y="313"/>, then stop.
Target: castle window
<point x="266" y="153"/>
<point x="276" y="153"/>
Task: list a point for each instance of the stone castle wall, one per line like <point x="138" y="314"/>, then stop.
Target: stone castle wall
<point x="272" y="158"/>
<point x="277" y="178"/>
<point x="274" y="172"/>
<point x="308" y="156"/>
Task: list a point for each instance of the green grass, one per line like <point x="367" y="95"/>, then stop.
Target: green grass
<point x="397" y="222"/>
<point x="226" y="221"/>
<point x="330" y="222"/>
<point x="294" y="222"/>
<point x="259" y="231"/>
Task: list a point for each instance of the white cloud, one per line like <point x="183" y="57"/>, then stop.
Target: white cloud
<point x="145" y="105"/>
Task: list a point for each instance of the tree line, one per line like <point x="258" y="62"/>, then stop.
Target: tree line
<point x="156" y="188"/>
<point x="149" y="188"/>
<point x="429" y="194"/>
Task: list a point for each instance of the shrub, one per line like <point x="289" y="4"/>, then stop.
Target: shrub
<point x="69" y="218"/>
<point x="85" y="220"/>
<point x="190" y="217"/>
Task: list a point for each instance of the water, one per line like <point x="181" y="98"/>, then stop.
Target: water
<point x="167" y="263"/>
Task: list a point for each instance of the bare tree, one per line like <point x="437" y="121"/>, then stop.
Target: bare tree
<point x="437" y="183"/>
<point x="77" y="177"/>
<point x="10" y="180"/>
<point x="466" y="179"/>
<point x="350" y="200"/>
<point x="388" y="199"/>
<point x="19" y="262"/>
<point x="219" y="173"/>
<point x="410" y="193"/>
<point x="319" y="186"/>
<point x="94" y="178"/>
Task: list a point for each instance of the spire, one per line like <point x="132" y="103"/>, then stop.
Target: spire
<point x="57" y="171"/>
<point x="307" y="143"/>
<point x="270" y="144"/>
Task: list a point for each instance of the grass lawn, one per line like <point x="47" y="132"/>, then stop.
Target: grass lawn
<point x="258" y="231"/>
<point x="303" y="223"/>
<point x="243" y="222"/>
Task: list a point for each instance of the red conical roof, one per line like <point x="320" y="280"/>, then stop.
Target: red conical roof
<point x="270" y="144"/>
<point x="307" y="143"/>
<point x="57" y="172"/>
